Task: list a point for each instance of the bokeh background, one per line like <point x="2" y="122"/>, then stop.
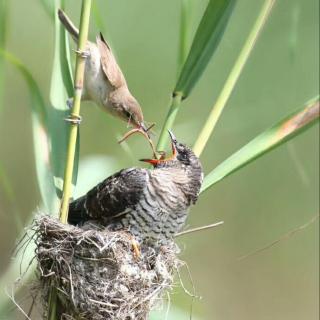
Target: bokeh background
<point x="258" y="204"/>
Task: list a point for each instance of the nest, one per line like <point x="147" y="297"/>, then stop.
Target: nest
<point x="96" y="274"/>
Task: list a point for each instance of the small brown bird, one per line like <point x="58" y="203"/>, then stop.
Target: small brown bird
<point x="152" y="204"/>
<point x="104" y="83"/>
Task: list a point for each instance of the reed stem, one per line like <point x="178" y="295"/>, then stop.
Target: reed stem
<point x="232" y="79"/>
<point x="74" y="116"/>
<point x="75" y="113"/>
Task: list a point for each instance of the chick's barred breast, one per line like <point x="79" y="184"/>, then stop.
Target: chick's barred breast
<point x="151" y="204"/>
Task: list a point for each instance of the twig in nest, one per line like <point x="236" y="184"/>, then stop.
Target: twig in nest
<point x="209" y="226"/>
<point x="284" y="237"/>
<point x="96" y="274"/>
<point x="193" y="294"/>
<point x="11" y="297"/>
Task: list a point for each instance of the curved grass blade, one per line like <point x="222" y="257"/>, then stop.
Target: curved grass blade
<point x="9" y="194"/>
<point x="49" y="7"/>
<point x="205" y="42"/>
<point x="278" y="134"/>
<point x="3" y="33"/>
<point x="186" y="17"/>
<point x="40" y="132"/>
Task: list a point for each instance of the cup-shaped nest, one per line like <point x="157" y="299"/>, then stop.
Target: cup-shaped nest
<point x="96" y="274"/>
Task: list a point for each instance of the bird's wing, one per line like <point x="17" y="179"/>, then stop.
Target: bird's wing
<point x="109" y="64"/>
<point x="111" y="198"/>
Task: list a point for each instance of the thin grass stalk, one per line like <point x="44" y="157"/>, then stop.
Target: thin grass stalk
<point x="232" y="78"/>
<point x="75" y="113"/>
<point x="168" y="123"/>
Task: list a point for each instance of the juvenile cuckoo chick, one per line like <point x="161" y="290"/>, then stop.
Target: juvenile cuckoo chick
<point x="152" y="204"/>
<point x="104" y="82"/>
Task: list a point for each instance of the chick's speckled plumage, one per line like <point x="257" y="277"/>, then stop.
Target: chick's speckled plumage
<point x="152" y="204"/>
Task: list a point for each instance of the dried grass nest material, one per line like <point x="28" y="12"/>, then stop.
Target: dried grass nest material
<point x="96" y="273"/>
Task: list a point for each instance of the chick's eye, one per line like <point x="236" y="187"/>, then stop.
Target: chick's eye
<point x="183" y="156"/>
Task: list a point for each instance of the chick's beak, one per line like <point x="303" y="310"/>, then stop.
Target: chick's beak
<point x="154" y="162"/>
<point x="173" y="142"/>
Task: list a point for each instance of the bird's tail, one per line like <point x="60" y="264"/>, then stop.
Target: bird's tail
<point x="77" y="213"/>
<point x="74" y="32"/>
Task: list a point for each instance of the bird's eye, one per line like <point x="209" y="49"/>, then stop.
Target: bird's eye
<point x="183" y="156"/>
<point x="127" y="113"/>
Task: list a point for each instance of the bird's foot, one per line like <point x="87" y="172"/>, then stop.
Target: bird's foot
<point x="73" y="119"/>
<point x="136" y="248"/>
<point x="69" y="103"/>
<point x="83" y="53"/>
<point x="144" y="132"/>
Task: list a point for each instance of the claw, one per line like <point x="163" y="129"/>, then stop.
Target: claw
<point x="162" y="154"/>
<point x="144" y="132"/>
<point x="73" y="119"/>
<point x="84" y="54"/>
<point x="136" y="249"/>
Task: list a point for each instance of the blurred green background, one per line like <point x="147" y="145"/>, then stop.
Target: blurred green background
<point x="258" y="204"/>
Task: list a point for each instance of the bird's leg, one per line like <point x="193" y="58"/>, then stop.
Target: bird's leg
<point x="72" y="118"/>
<point x="69" y="103"/>
<point x="144" y="133"/>
<point x="84" y="97"/>
<point x="136" y="248"/>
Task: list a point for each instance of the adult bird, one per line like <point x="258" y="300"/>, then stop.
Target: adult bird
<point x="104" y="82"/>
<point x="151" y="204"/>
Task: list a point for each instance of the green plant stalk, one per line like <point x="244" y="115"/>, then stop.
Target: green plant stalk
<point x="232" y="79"/>
<point x="75" y="113"/>
<point x="168" y="123"/>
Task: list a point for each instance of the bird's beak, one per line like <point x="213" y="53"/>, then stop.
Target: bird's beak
<point x="143" y="127"/>
<point x="155" y="162"/>
<point x="173" y="143"/>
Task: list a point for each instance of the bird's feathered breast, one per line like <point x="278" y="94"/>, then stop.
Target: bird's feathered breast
<point x="152" y="204"/>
